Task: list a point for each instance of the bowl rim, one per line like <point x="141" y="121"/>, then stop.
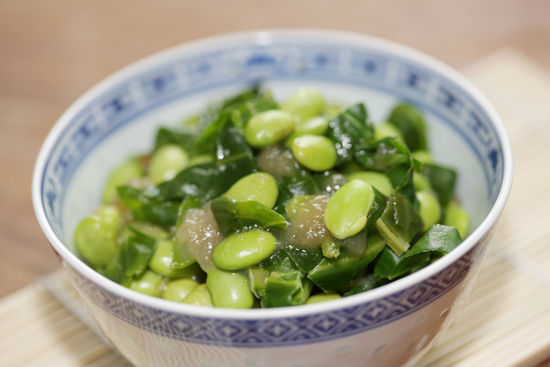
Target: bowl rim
<point x="264" y="37"/>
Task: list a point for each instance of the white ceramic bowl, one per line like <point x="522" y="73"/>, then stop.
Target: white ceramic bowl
<point x="383" y="327"/>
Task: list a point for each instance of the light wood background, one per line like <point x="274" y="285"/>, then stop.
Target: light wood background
<point x="51" y="51"/>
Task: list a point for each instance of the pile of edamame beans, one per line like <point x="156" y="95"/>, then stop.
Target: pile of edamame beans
<point x="257" y="203"/>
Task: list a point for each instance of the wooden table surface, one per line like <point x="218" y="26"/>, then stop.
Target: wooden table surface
<point x="52" y="51"/>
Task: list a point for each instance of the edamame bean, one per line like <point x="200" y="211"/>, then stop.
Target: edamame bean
<point x="423" y="156"/>
<point x="162" y="260"/>
<point x="229" y="290"/>
<point x="386" y="130"/>
<point x="379" y="180"/>
<point x="420" y="182"/>
<point x="149" y="283"/>
<point x="244" y="249"/>
<point x="305" y="103"/>
<point x="200" y="296"/>
<point x="126" y="172"/>
<point x="430" y="210"/>
<point x="95" y="237"/>
<point x="314" y="152"/>
<point x="314" y="126"/>
<point x="166" y="163"/>
<point x="457" y="217"/>
<point x="177" y="290"/>
<point x="322" y="297"/>
<point x="258" y="186"/>
<point x="267" y="128"/>
<point x="347" y="209"/>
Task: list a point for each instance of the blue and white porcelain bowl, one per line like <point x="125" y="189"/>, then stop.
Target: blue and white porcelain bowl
<point x="387" y="326"/>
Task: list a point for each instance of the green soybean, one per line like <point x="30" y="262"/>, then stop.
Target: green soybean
<point x="162" y="260"/>
<point x="149" y="283"/>
<point x="314" y="152"/>
<point x="200" y="296"/>
<point x="305" y="103"/>
<point x="322" y="297"/>
<point x="258" y="186"/>
<point x="126" y="172"/>
<point x="267" y="128"/>
<point x="420" y="182"/>
<point x="177" y="290"/>
<point x="379" y="180"/>
<point x="166" y="162"/>
<point x="347" y="209"/>
<point x="457" y="217"/>
<point x="430" y="210"/>
<point x="244" y="249"/>
<point x="385" y="130"/>
<point x="229" y="290"/>
<point x="314" y="126"/>
<point x="95" y="237"/>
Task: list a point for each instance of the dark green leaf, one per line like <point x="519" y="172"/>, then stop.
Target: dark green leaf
<point x="206" y="142"/>
<point x="438" y="241"/>
<point x="234" y="112"/>
<point x="376" y="209"/>
<point x="390" y="156"/>
<point x="302" y="183"/>
<point x="399" y="223"/>
<point x="185" y="139"/>
<point x="335" y="275"/>
<point x="145" y="206"/>
<point x="279" y="261"/>
<point x="286" y="289"/>
<point x="232" y="216"/>
<point x="234" y="159"/>
<point x="363" y="284"/>
<point x="135" y="253"/>
<point x="304" y="259"/>
<point x="410" y="122"/>
<point x="349" y="129"/>
<point x="442" y="180"/>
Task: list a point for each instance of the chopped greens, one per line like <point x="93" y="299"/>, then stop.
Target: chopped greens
<point x="254" y="178"/>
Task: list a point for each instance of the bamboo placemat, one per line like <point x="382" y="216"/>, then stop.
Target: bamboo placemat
<point x="505" y="321"/>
